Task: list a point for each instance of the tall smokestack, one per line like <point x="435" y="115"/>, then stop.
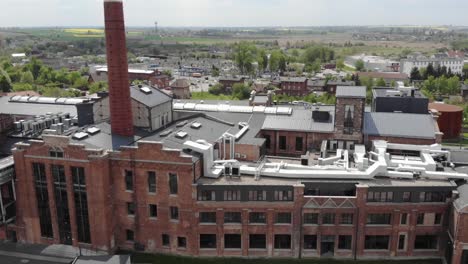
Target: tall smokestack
<point x="117" y="65"/>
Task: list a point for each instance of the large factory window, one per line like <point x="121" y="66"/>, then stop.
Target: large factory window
<point x="376" y="242"/>
<point x="207" y="240"/>
<point x="61" y="201"/>
<point x="151" y="182"/>
<point x="128" y="180"/>
<point x="173" y="186"/>
<point x="42" y="197"/>
<point x="257" y="241"/>
<point x="81" y="204"/>
<point x="232" y="241"/>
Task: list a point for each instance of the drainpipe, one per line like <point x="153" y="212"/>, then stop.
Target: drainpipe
<point x="356" y="234"/>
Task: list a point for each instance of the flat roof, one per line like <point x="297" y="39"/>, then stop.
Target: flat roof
<point x="351" y="91"/>
<point x="399" y="125"/>
<point x="301" y="120"/>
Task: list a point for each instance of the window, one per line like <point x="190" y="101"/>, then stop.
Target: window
<point x="429" y="197"/>
<point x="232" y="195"/>
<point x="56" y="153"/>
<point x="232" y="241"/>
<point x="425" y="242"/>
<point x="282" y="241"/>
<point x="205" y="195"/>
<point x="380" y="197"/>
<point x="299" y="143"/>
<point x="81" y="204"/>
<point x="130" y="235"/>
<point x="151" y="182"/>
<point x="257" y="195"/>
<point x="153" y="210"/>
<point x="166" y="240"/>
<point x="181" y="242"/>
<point x="257" y="218"/>
<point x="131" y="209"/>
<point x="207" y="240"/>
<point x="311" y="218"/>
<point x="42" y="197"/>
<point x="437" y="219"/>
<point x="328" y="219"/>
<point x="310" y="242"/>
<point x="401" y="242"/>
<point x="406" y="197"/>
<point x="208" y="217"/>
<point x="347" y="219"/>
<point x="283" y="218"/>
<point x="344" y="242"/>
<point x="267" y="141"/>
<point x="174" y="212"/>
<point x="232" y="217"/>
<point x="376" y="242"/>
<point x="420" y="219"/>
<point x="404" y="219"/>
<point x="173" y="188"/>
<point x="348" y="122"/>
<point x="257" y="241"/>
<point x="283" y="195"/>
<point x="128" y="180"/>
<point x="379" y="219"/>
<point x="282" y="142"/>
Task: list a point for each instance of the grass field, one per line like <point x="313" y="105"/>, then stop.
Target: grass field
<point x="160" y="259"/>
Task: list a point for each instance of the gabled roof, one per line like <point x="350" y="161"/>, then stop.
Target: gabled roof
<point x="152" y="99"/>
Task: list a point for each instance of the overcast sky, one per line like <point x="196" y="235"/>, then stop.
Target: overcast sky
<point x="227" y="13"/>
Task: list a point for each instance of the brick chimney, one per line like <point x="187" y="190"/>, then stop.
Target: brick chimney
<point x="119" y="89"/>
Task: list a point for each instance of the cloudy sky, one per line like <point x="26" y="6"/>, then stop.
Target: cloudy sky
<point x="227" y="13"/>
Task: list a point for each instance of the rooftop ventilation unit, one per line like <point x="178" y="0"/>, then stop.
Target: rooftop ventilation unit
<point x="181" y="124"/>
<point x="166" y="133"/>
<point x="145" y="90"/>
<point x="196" y="125"/>
<point x="320" y="116"/>
<point x="181" y="134"/>
<point x="93" y="130"/>
<point x="80" y="135"/>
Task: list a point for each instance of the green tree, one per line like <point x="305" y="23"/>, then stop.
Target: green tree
<point x="5" y="81"/>
<point x="415" y="74"/>
<point x="27" y="77"/>
<point x="244" y="54"/>
<point x="340" y="64"/>
<point x="429" y="71"/>
<point x="34" y="67"/>
<point x="98" y="87"/>
<point x="277" y="61"/>
<point x="81" y="83"/>
<point x="262" y="60"/>
<point x="359" y="65"/>
<point x="381" y="82"/>
<point x="168" y="73"/>
<point x="240" y="91"/>
<point x="216" y="89"/>
<point x="18" y="87"/>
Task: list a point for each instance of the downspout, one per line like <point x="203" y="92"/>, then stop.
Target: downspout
<point x="356" y="234"/>
<point x="300" y="233"/>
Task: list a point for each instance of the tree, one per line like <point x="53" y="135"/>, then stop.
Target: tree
<point x="240" y="91"/>
<point x="262" y="60"/>
<point x="340" y="64"/>
<point x="381" y="82"/>
<point x="415" y="74"/>
<point x="429" y="71"/>
<point x="244" y="57"/>
<point x="81" y="83"/>
<point x="27" y="77"/>
<point x="35" y="66"/>
<point x="18" y="87"/>
<point x="5" y="81"/>
<point x="277" y="58"/>
<point x="168" y="73"/>
<point x="98" y="87"/>
<point x="214" y="71"/>
<point x="359" y="65"/>
<point x="216" y="89"/>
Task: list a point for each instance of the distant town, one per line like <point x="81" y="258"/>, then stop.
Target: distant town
<point x="159" y="144"/>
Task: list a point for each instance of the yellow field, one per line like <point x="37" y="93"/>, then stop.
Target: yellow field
<point x="84" y="31"/>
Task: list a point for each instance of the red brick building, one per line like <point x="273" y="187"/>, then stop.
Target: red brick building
<point x="293" y="86"/>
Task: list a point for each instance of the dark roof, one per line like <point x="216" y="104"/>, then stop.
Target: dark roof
<point x="156" y="97"/>
<point x="301" y="120"/>
<point x="341" y="82"/>
<point x="33" y="109"/>
<point x="390" y="92"/>
<point x="319" y="83"/>
<point x="351" y="91"/>
<point x="293" y="79"/>
<point x="399" y="125"/>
